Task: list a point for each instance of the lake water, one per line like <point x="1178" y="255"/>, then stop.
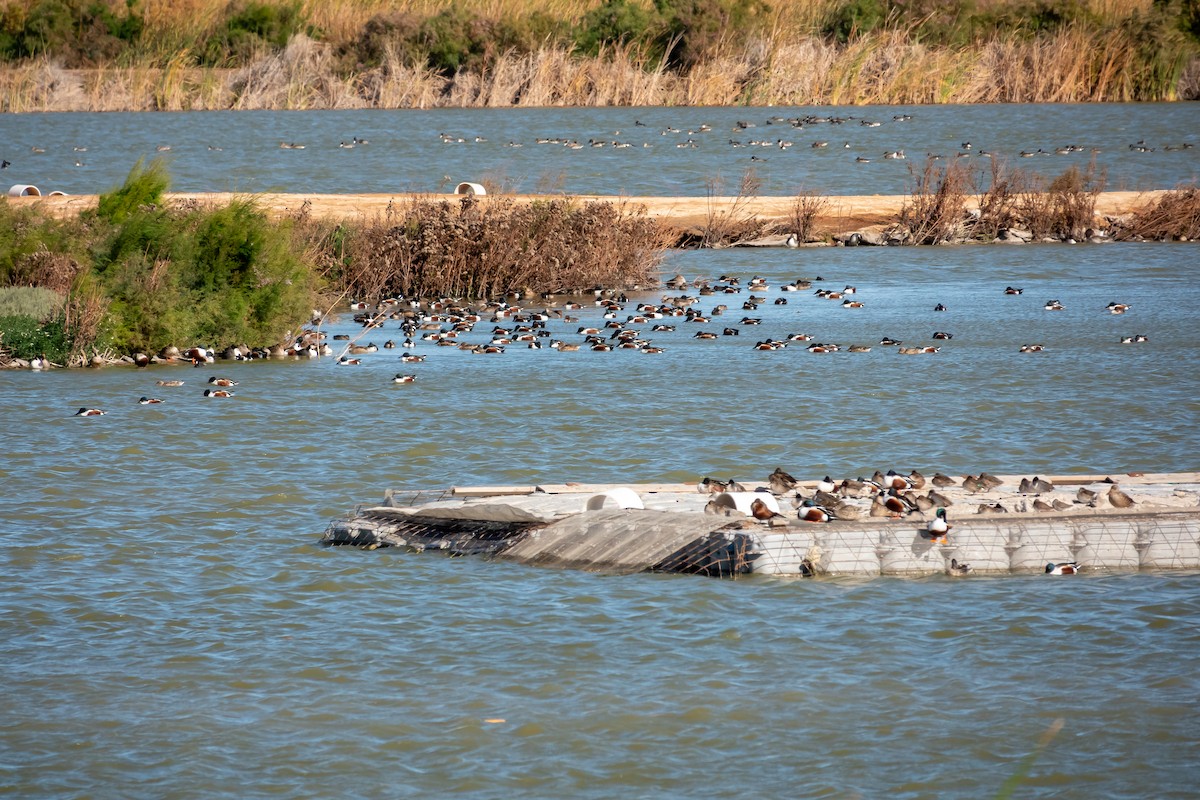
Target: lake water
<point x="172" y="629"/>
<point x="406" y="151"/>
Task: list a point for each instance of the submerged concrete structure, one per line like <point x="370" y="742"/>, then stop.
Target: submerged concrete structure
<point x="1003" y="528"/>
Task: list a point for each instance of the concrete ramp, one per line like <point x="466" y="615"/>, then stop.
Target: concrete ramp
<point x="634" y="540"/>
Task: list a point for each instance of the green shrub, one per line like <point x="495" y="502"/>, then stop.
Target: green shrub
<point x="29" y="301"/>
<point x="36" y="250"/>
<point x="25" y="337"/>
<point x="143" y="188"/>
<point x="252" y="27"/>
<point x="453" y="39"/>
<point x="697" y="29"/>
<point x="616" y="22"/>
<point x="77" y="32"/>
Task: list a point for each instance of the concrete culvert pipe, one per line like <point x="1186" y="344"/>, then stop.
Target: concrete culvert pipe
<point x="620" y="497"/>
<point x="24" y="190"/>
<point x="470" y="188"/>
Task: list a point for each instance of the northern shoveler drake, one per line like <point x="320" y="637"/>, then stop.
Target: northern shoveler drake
<point x="1054" y="305"/>
<point x="89" y="412"/>
<point x="939" y="307"/>
<point x="810" y="512"/>
<point x="168" y="383"/>
<point x="1012" y="290"/>
<point x="149" y="401"/>
<point x="214" y="381"/>
<point x="404" y="378"/>
<point x="412" y="359"/>
<point x="1117" y="308"/>
<point x="40" y="362"/>
<point x="939" y="526"/>
<point x="346" y="361"/>
<point x="1063" y="568"/>
<point x="853" y="304"/>
<point x="942" y="335"/>
<point x="888" y="341"/>
<point x="1032" y="348"/>
<point x="218" y="393"/>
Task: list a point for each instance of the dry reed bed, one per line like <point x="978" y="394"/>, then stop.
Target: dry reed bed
<point x="1075" y="65"/>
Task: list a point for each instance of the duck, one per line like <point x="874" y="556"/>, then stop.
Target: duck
<point x="404" y="378"/>
<point x="215" y="381"/>
<point x="974" y="484"/>
<point x="1053" y="305"/>
<point x="826" y="484"/>
<point x="810" y="512"/>
<point x="942" y="335"/>
<point x="168" y="383"/>
<point x="409" y="358"/>
<point x="781" y="482"/>
<point x="853" y="304"/>
<point x="761" y="511"/>
<point x="1118" y="498"/>
<point x="1063" y="568"/>
<point x="940" y="307"/>
<point x="1117" y="308"/>
<point x="939" y="499"/>
<point x="149" y="401"/>
<point x="1085" y="496"/>
<point x="896" y="505"/>
<point x="1032" y="348"/>
<point x="939" y="526"/>
<point x="89" y="412"/>
<point x="958" y="569"/>
<point x="218" y="393"/>
<point x="347" y="361"/>
<point x="40" y="362"/>
<point x="1012" y="290"/>
<point x="941" y="480"/>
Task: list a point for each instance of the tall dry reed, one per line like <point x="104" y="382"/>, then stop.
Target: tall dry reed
<point x="486" y="248"/>
<point x="1173" y="217"/>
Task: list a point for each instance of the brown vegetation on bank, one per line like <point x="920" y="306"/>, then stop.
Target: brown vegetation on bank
<point x="813" y="217"/>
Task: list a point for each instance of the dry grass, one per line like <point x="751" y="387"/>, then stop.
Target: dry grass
<point x="471" y="249"/>
<point x="1063" y="208"/>
<point x="806" y="209"/>
<point x="786" y="64"/>
<point x="1173" y="217"/>
<point x="935" y="210"/>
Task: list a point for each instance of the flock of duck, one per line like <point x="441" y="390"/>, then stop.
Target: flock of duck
<point x="645" y="327"/>
<point x="222" y="388"/>
<point x="783" y="135"/>
<point x="570" y="325"/>
<point x="893" y="495"/>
